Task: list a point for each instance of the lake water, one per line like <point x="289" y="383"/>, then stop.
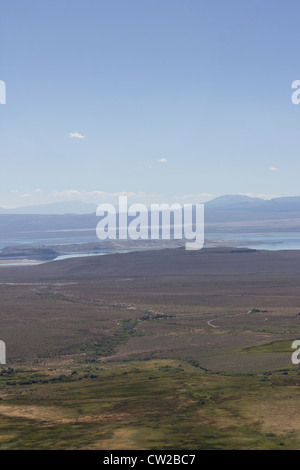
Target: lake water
<point x="258" y="241"/>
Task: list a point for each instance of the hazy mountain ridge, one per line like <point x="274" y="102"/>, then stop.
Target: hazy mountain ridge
<point x="55" y="208"/>
<point x="233" y="202"/>
<point x="232" y="214"/>
<point x="246" y="202"/>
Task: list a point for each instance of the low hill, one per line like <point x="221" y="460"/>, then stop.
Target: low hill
<point x="168" y="262"/>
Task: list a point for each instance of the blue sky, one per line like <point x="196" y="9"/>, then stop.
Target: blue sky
<point x="184" y="99"/>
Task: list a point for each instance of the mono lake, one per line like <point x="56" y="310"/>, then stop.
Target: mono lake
<point x="262" y="241"/>
<point x="257" y="241"/>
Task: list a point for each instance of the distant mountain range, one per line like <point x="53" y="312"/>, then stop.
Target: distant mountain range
<point x="222" y="203"/>
<point x="223" y="215"/>
<point x="251" y="203"/>
<point x="246" y="209"/>
<point x="68" y="207"/>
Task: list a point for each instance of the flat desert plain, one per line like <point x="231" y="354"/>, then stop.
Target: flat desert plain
<point x="166" y="349"/>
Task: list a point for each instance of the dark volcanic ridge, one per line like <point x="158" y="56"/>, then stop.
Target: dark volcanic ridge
<point x="38" y="253"/>
<point x="168" y="262"/>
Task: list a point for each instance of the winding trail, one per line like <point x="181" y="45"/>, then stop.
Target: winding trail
<point x="229" y="316"/>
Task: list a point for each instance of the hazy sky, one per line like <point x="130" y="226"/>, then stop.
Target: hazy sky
<point x="167" y="98"/>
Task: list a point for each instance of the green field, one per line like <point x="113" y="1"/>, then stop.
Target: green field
<point x="150" y="405"/>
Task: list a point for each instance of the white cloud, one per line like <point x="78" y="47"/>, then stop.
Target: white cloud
<point x="163" y="160"/>
<point x="260" y="196"/>
<point x="38" y="196"/>
<point x="273" y="168"/>
<point x="90" y="195"/>
<point x="69" y="193"/>
<point x="195" y="198"/>
<point x="76" y="135"/>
